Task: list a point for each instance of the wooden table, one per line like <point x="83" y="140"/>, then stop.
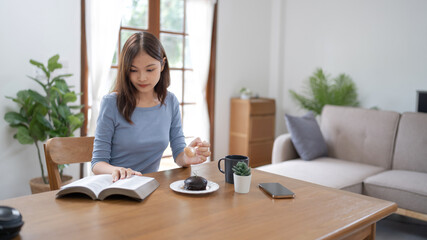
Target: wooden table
<point x="317" y="212"/>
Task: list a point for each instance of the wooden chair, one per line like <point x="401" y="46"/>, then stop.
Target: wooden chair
<point x="65" y="150"/>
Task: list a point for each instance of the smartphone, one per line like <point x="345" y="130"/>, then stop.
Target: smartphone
<point x="276" y="190"/>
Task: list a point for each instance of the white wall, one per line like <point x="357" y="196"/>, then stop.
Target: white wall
<point x="243" y="58"/>
<point x="31" y="30"/>
<point x="381" y="44"/>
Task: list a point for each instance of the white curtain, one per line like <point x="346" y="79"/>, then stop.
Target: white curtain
<point x="199" y="22"/>
<point x="102" y="28"/>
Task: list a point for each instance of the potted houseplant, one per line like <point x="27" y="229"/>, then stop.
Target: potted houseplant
<point x="322" y="90"/>
<point x="242" y="177"/>
<point x="45" y="115"/>
<point x="245" y="93"/>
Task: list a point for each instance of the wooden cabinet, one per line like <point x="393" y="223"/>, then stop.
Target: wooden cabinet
<point x="252" y="124"/>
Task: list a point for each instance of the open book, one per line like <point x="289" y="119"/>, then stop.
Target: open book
<point x="101" y="186"/>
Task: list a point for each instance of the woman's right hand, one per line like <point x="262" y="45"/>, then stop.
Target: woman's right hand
<point x="122" y="173"/>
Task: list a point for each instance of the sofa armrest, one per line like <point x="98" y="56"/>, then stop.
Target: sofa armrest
<point x="283" y="149"/>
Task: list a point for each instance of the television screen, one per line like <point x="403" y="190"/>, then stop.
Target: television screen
<point x="422" y="101"/>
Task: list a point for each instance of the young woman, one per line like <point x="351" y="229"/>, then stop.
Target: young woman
<point x="138" y="120"/>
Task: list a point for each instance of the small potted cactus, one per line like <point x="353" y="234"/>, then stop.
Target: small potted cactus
<point x="242" y="177"/>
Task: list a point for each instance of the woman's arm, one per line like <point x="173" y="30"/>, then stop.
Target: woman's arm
<point x="116" y="172"/>
<point x="102" y="145"/>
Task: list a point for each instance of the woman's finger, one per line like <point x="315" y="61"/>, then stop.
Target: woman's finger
<point x="195" y="142"/>
<point x="115" y="175"/>
<point x="122" y="173"/>
<point x="129" y="173"/>
<point x="204" y="144"/>
<point x="202" y="149"/>
<point x="205" y="154"/>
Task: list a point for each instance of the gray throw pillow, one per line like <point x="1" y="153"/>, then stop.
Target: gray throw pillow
<point x="306" y="136"/>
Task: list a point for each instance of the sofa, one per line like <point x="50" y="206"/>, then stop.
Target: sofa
<point x="378" y="153"/>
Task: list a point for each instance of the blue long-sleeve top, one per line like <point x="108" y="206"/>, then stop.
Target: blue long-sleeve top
<point x="140" y="145"/>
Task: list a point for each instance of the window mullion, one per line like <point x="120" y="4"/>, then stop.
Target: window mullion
<point x="154" y="17"/>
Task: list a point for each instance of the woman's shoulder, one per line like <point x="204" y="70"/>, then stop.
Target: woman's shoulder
<point x="112" y="95"/>
<point x="171" y="98"/>
<point x="110" y="99"/>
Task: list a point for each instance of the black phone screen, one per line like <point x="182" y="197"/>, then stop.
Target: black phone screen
<point x="276" y="190"/>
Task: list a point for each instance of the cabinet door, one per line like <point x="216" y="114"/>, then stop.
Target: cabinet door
<point x="260" y="153"/>
<point x="261" y="128"/>
<point x="238" y="144"/>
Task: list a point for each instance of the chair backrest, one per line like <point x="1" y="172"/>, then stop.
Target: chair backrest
<point x="65" y="150"/>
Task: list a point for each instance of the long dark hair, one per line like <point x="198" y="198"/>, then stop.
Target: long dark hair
<point x="126" y="92"/>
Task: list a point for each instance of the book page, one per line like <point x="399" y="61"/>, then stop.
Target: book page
<point x="131" y="183"/>
<point x="95" y="183"/>
<point x="136" y="187"/>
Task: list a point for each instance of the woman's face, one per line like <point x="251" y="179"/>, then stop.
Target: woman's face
<point x="145" y="73"/>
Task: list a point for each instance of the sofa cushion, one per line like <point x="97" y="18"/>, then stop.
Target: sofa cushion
<point x="306" y="136"/>
<point x="328" y="172"/>
<point x="360" y="135"/>
<point x="411" y="143"/>
<point x="407" y="188"/>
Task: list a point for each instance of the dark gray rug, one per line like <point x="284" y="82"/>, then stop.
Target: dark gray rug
<point x="401" y="228"/>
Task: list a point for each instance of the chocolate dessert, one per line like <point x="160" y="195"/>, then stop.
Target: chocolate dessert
<point x="195" y="183"/>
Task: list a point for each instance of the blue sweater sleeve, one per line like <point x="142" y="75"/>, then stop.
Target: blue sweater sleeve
<point x="176" y="136"/>
<point x="104" y="131"/>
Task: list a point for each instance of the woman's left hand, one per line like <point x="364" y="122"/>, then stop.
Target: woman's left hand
<point x="201" y="152"/>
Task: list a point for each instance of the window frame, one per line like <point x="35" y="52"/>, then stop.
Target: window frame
<point x="154" y="28"/>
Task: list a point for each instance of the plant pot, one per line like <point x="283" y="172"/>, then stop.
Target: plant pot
<point x="245" y="96"/>
<point x="37" y="185"/>
<point x="242" y="184"/>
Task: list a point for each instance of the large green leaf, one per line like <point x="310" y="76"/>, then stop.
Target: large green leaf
<point x="56" y="90"/>
<point x="81" y="116"/>
<point x="63" y="111"/>
<point x="23" y="95"/>
<point x="69" y="97"/>
<point x="40" y="109"/>
<point x="23" y="112"/>
<point x="75" y="122"/>
<point x="38" y="98"/>
<point x="56" y="122"/>
<point x="14" y="118"/>
<point x="37" y="108"/>
<point x="36" y="130"/>
<point x="62" y="85"/>
<point x="53" y="64"/>
<point x="23" y="136"/>
<point x="61" y="76"/>
<point x="41" y="119"/>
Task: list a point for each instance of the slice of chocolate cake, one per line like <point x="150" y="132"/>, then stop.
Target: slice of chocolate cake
<point x="195" y="183"/>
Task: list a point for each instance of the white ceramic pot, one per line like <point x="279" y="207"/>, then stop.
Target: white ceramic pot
<point x="242" y="184"/>
<point x="245" y="96"/>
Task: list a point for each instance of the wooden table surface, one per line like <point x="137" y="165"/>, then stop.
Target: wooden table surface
<point x="317" y="212"/>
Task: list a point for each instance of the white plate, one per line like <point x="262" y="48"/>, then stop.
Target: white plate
<point x="178" y="186"/>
